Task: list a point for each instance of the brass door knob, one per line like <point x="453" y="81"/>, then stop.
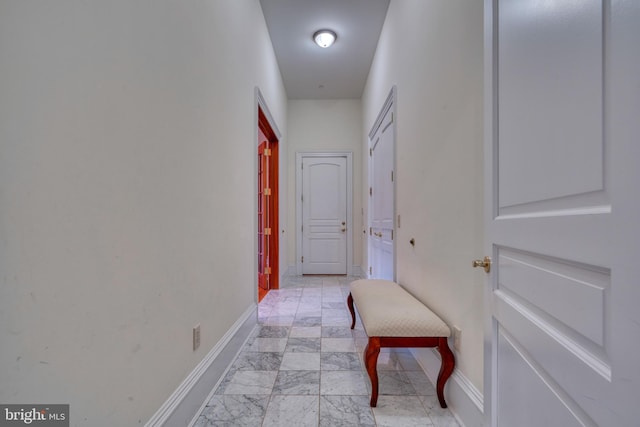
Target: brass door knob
<point x="484" y="263"/>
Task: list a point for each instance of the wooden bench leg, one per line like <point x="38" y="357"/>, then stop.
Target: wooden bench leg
<point x="446" y="369"/>
<point x="351" y="309"/>
<point x="371" y="353"/>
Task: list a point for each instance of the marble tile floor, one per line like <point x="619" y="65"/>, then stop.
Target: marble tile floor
<point x="302" y="366"/>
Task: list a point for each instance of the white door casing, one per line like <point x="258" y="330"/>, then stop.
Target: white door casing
<point x="562" y="213"/>
<point x="324" y="205"/>
<point x="382" y="194"/>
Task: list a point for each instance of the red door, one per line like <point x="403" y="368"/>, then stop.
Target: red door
<point x="267" y="207"/>
<point x="264" y="231"/>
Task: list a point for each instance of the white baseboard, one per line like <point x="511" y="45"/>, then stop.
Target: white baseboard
<point x="293" y="271"/>
<point x="463" y="399"/>
<point x="185" y="402"/>
<point x="356" y="270"/>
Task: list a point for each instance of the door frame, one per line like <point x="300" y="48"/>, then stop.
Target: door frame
<point x="389" y="104"/>
<point x="300" y="155"/>
<point x="263" y="117"/>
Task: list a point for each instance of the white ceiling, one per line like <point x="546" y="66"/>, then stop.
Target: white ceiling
<point x="340" y="71"/>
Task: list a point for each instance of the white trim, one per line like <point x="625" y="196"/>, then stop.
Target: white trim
<point x="185" y="397"/>
<point x="463" y="398"/>
<point x="389" y="104"/>
<point x="299" y="156"/>
<point x="260" y="103"/>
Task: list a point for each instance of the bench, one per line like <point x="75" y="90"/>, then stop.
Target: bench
<point x="394" y="318"/>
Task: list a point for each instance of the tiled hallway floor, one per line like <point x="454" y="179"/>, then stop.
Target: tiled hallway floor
<point x="302" y="367"/>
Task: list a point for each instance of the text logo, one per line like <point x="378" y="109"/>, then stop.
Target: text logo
<point x="34" y="415"/>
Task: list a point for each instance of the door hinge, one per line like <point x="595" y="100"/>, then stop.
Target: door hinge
<point x="267" y="152"/>
<point x="370" y="272"/>
<point x="302" y="228"/>
<point x="302" y="198"/>
<point x="370" y="231"/>
<point x="301" y="259"/>
<point x="370" y="152"/>
<point x="391" y="234"/>
<point x="370" y="191"/>
<point x="267" y="191"/>
<point x="301" y="165"/>
<point x="267" y="270"/>
<point x="391" y="176"/>
<point x="267" y="231"/>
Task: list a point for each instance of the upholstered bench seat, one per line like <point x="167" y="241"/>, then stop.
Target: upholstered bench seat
<point x="387" y="310"/>
<point x="394" y="318"/>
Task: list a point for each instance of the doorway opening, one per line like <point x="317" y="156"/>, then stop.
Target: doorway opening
<point x="267" y="207"/>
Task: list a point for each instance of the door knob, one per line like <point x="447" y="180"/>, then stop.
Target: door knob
<point x="484" y="263"/>
<point x="343" y="229"/>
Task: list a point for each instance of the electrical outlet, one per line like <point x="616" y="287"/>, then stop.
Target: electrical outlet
<point x="457" y="335"/>
<point x="196" y="337"/>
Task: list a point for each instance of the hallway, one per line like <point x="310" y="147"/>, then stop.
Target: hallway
<point x="302" y="366"/>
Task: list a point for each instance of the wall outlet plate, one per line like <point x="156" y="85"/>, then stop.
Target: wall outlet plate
<point x="196" y="337"/>
<point x="457" y="335"/>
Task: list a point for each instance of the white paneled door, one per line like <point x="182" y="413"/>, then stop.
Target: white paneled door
<point x="324" y="215"/>
<point x="381" y="195"/>
<point x="563" y="213"/>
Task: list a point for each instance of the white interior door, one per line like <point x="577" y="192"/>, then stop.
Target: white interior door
<point x="563" y="213"/>
<point x="381" y="207"/>
<point x="324" y="215"/>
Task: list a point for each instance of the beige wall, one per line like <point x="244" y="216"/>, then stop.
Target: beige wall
<point x="432" y="51"/>
<point x="127" y="194"/>
<point x="326" y="125"/>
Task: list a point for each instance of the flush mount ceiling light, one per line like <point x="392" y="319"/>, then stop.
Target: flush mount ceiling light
<point x="324" y="38"/>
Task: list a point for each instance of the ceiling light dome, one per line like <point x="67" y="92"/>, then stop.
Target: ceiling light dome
<point x="324" y="38"/>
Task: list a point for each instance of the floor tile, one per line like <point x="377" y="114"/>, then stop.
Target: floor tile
<point x="299" y="411"/>
<point x="275" y="345"/>
<point x="276" y="320"/>
<point x="237" y="410"/>
<point x="303" y="345"/>
<point x="340" y="362"/>
<point x="395" y="383"/>
<point x="343" y="383"/>
<point x="421" y="383"/>
<point x="255" y="361"/>
<point x="272" y="331"/>
<point x="441" y="417"/>
<point x="335" y="345"/>
<point x="305" y="332"/>
<point x="400" y="411"/>
<point x="300" y="362"/>
<point x="336" y="332"/>
<point x="297" y="382"/>
<point x="388" y="362"/>
<point x="251" y="382"/>
<point x="345" y="411"/>
<point x="308" y="321"/>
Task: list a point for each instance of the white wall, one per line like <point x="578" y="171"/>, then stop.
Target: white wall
<point x="326" y="125"/>
<point x="127" y="194"/>
<point x="432" y="51"/>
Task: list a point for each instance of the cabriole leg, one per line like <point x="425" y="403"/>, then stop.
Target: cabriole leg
<point x="446" y="369"/>
<point x="371" y="353"/>
<point x="352" y="310"/>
